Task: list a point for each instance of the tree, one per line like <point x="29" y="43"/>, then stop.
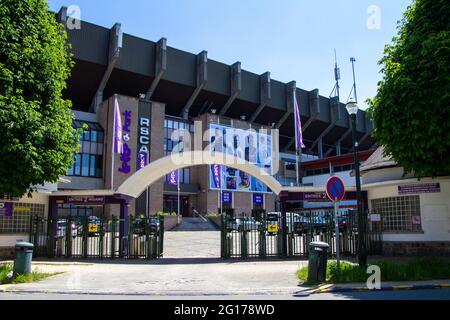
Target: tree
<point x="37" y="139"/>
<point x="411" y="111"/>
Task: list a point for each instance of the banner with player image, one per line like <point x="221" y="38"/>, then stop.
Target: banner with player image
<point x="250" y="145"/>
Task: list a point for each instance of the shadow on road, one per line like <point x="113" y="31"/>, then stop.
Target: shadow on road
<point x="161" y="261"/>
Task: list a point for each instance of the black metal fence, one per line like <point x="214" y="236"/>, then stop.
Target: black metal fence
<point x="263" y="236"/>
<point x="99" y="238"/>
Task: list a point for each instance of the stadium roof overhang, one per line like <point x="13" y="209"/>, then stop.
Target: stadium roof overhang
<point x="109" y="61"/>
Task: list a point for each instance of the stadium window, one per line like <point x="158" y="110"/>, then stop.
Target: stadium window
<point x="170" y="125"/>
<point x="347" y="168"/>
<point x="317" y="172"/>
<point x="186" y="175"/>
<point x="88" y="163"/>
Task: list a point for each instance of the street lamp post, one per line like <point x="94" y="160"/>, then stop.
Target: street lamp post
<point x="352" y="109"/>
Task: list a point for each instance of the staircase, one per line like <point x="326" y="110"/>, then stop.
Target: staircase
<point x="196" y="224"/>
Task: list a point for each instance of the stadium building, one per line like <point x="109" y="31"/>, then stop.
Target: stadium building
<point x="160" y="89"/>
<point x="173" y="89"/>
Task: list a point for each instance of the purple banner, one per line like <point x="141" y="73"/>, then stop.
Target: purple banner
<point x="118" y="144"/>
<point x="419" y="188"/>
<point x="216" y="172"/>
<point x="6" y="209"/>
<point x="125" y="157"/>
<point x="227" y="197"/>
<point x="258" y="199"/>
<point x="142" y="160"/>
<point x="298" y="126"/>
<point x="173" y="178"/>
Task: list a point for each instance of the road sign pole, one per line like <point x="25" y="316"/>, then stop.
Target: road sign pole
<point x="336" y="191"/>
<point x="336" y="231"/>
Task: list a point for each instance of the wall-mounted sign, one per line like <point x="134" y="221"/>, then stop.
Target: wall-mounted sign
<point x="142" y="160"/>
<point x="173" y="178"/>
<point x="144" y="134"/>
<point x="375" y="217"/>
<point x="125" y="157"/>
<point x="254" y="147"/>
<point x="258" y="199"/>
<point x="216" y="175"/>
<point x="227" y="197"/>
<point x="6" y="209"/>
<point x="419" y="188"/>
<point x="86" y="200"/>
<point x="415" y="220"/>
<point x="144" y="142"/>
<point x="315" y="197"/>
<point x="22" y="209"/>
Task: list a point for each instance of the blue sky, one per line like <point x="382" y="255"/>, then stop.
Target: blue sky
<point x="293" y="39"/>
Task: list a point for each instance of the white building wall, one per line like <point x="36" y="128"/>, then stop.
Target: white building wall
<point x="9" y="240"/>
<point x="321" y="180"/>
<point x="387" y="174"/>
<point x="434" y="207"/>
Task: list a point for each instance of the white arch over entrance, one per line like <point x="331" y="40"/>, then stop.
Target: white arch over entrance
<point x="139" y="181"/>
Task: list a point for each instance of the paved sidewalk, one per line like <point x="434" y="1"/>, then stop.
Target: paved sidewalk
<point x="168" y="277"/>
<point x="191" y="244"/>
<point x="385" y="286"/>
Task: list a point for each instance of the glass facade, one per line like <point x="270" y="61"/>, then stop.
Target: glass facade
<point x="89" y="161"/>
<point x="170" y="125"/>
<point x="71" y="210"/>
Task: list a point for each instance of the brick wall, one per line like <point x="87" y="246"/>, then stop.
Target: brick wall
<point x="106" y="119"/>
<point x="416" y="248"/>
<point x="6" y="252"/>
<point x="157" y="152"/>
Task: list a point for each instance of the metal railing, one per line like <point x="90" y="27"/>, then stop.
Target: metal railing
<point x="196" y="213"/>
<point x="99" y="238"/>
<point x="264" y="236"/>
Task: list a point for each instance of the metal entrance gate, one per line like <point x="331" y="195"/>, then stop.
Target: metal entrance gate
<point x="262" y="237"/>
<point x="99" y="238"/>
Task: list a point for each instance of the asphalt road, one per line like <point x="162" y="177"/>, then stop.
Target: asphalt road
<point x="438" y="294"/>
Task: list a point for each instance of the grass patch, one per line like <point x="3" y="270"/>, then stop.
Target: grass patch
<point x="419" y="269"/>
<point x="6" y="270"/>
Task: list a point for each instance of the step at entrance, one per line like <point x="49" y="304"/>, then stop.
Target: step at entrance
<point x="196" y="224"/>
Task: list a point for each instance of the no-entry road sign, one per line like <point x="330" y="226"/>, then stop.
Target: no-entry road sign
<point x="335" y="189"/>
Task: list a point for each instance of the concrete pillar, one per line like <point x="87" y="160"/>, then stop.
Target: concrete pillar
<point x="338" y="149"/>
<point x="320" y="149"/>
<point x="160" y="66"/>
<point x="201" y="80"/>
<point x="235" y="86"/>
<point x="265" y="94"/>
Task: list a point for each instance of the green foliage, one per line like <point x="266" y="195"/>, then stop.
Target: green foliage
<point x="419" y="269"/>
<point x="32" y="277"/>
<point x="166" y="214"/>
<point x="411" y="111"/>
<point x="37" y="139"/>
<point x="4" y="272"/>
<point x="302" y="275"/>
<point x="213" y="214"/>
